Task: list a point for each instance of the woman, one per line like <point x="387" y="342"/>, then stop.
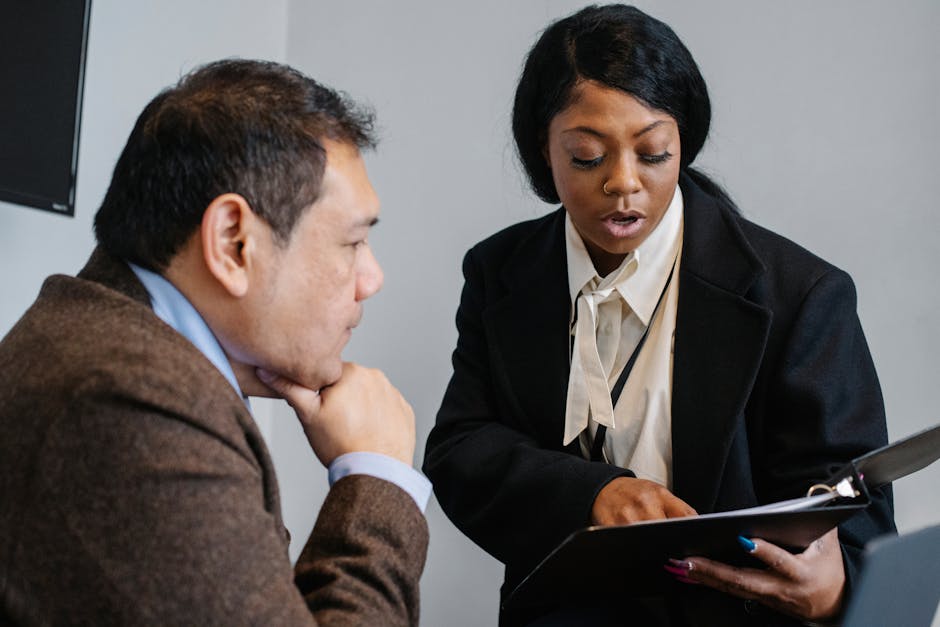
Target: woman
<point x="747" y="376"/>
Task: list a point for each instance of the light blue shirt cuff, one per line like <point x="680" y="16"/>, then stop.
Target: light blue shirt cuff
<point x="383" y="467"/>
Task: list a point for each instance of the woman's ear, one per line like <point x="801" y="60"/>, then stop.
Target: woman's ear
<point x="229" y="234"/>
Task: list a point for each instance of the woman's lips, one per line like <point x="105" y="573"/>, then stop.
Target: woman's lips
<point x="624" y="225"/>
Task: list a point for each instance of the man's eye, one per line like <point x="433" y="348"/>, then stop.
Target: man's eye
<point x="586" y="164"/>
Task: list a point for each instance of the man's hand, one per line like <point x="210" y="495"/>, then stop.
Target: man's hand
<point x="362" y="412"/>
<point x="627" y="500"/>
<point x="808" y="586"/>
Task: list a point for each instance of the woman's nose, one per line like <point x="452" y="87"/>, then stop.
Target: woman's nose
<point x="624" y="178"/>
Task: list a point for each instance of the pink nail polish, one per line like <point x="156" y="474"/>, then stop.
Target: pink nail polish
<point x="676" y="572"/>
<point x="683" y="564"/>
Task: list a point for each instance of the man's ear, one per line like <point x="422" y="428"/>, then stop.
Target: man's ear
<point x="229" y="233"/>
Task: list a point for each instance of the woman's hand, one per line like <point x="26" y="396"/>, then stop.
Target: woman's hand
<point x="808" y="586"/>
<point x="627" y="500"/>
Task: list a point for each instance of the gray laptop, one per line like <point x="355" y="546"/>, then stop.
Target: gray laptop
<point x="900" y="582"/>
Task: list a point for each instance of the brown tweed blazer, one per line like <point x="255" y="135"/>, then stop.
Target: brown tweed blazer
<point x="135" y="488"/>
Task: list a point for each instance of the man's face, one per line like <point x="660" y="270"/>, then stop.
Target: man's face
<point x="311" y="290"/>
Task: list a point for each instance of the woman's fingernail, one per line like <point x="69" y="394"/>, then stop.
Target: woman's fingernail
<point x="683" y="564"/>
<point x="677" y="572"/>
<point x="746" y="544"/>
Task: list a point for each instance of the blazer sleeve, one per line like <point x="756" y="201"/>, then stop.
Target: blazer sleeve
<point x="163" y="521"/>
<point x="362" y="563"/>
<point x="507" y="490"/>
<point x="826" y="407"/>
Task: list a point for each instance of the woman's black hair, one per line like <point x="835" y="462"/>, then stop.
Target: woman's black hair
<point x="621" y="47"/>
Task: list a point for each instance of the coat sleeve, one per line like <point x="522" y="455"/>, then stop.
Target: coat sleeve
<point x="163" y="520"/>
<point x="510" y="493"/>
<point x="825" y="408"/>
<point x="362" y="563"/>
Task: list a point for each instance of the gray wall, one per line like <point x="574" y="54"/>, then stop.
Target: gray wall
<point x="135" y="49"/>
<point x="825" y="120"/>
<point x="825" y="130"/>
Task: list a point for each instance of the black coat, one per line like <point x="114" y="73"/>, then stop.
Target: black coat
<point x="773" y="388"/>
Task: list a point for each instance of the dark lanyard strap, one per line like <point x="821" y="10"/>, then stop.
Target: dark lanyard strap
<point x="597" y="448"/>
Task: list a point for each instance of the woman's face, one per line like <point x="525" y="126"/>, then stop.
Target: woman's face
<point x="606" y="136"/>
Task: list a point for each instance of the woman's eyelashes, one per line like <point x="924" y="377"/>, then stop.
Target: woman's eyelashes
<point x="654" y="159"/>
<point x="650" y="159"/>
<point x="586" y="164"/>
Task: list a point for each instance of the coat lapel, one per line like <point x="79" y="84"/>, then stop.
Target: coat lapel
<point x="528" y="331"/>
<point x="719" y="342"/>
<point x="115" y="274"/>
<point x="720" y="338"/>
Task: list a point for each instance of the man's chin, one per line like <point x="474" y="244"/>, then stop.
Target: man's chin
<point x="331" y="376"/>
<point x="251" y="385"/>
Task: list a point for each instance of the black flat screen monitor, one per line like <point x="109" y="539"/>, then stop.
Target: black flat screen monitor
<point x="42" y="67"/>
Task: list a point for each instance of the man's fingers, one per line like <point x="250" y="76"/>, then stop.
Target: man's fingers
<point x="279" y="384"/>
<point x="306" y="402"/>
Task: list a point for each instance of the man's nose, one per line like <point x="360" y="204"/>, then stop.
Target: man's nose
<point x="370" y="276"/>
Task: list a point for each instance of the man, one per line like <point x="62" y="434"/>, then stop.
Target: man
<point x="232" y="261"/>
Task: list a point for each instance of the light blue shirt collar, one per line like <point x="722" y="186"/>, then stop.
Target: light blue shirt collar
<point x="173" y="308"/>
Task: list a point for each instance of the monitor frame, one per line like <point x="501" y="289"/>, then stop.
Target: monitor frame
<point x="61" y="205"/>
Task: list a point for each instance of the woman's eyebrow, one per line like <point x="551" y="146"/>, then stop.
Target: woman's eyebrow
<point x="593" y="131"/>
<point x="585" y="129"/>
<point x="649" y="127"/>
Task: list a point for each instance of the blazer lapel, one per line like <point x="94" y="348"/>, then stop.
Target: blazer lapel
<point x="529" y="331"/>
<point x="115" y="274"/>
<point x="719" y="342"/>
<point x="720" y="337"/>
